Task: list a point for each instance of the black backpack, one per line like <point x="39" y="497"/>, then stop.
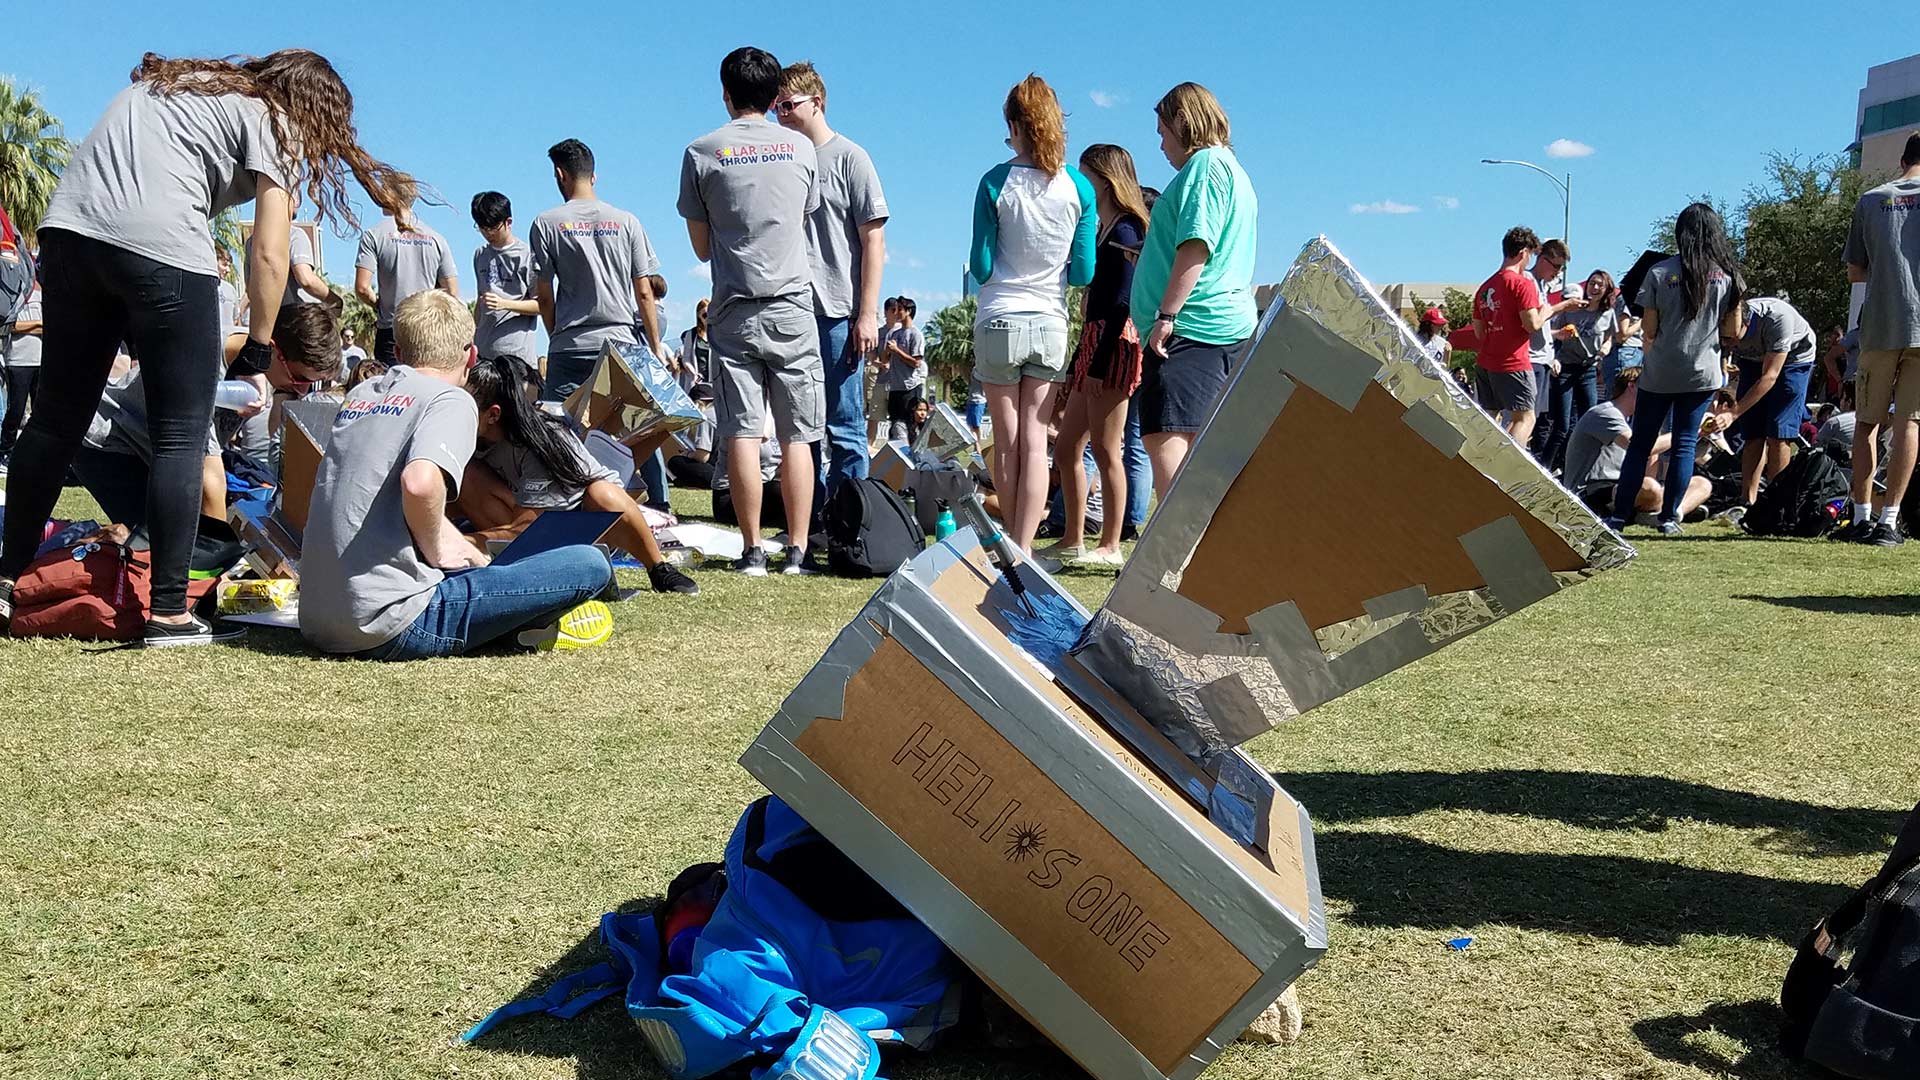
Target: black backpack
<point x="1795" y="502"/>
<point x="1861" y="1018"/>
<point x="870" y="532"/>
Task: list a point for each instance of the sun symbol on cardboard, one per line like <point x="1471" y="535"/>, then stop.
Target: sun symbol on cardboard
<point x="1024" y="841"/>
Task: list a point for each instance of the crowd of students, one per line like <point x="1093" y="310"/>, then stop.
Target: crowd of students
<point x="1697" y="360"/>
<point x="438" y="423"/>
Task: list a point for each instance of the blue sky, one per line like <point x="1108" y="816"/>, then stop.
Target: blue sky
<point x="1365" y="122"/>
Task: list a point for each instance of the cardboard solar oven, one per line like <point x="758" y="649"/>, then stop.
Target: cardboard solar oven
<point x="631" y="395"/>
<point x="1346" y="511"/>
<point x="892" y="464"/>
<point x="945" y="437"/>
<point x="273" y="536"/>
<point x="1016" y="817"/>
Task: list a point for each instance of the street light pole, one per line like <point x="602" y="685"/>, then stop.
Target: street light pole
<point x="1566" y="193"/>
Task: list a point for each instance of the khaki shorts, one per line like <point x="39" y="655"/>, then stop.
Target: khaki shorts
<point x="769" y="360"/>
<point x="1888" y="379"/>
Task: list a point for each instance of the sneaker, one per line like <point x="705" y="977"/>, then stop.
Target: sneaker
<point x="667" y="578"/>
<point x="1884" y="535"/>
<point x="582" y="627"/>
<point x="195" y="631"/>
<point x="1061" y="550"/>
<point x="753" y="563"/>
<point x="1129" y="532"/>
<point x="1616" y="524"/>
<point x="6" y="604"/>
<point x="1670" y="527"/>
<point x="1855" y="533"/>
<point x="795" y="563"/>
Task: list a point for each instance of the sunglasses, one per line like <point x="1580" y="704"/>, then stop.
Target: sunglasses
<point x="788" y="107"/>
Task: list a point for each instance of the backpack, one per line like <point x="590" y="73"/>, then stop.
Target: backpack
<point x="1795" y="503"/>
<point x="16" y="274"/>
<point x="801" y="954"/>
<point x="96" y="590"/>
<point x="1861" y="1019"/>
<point x="870" y="532"/>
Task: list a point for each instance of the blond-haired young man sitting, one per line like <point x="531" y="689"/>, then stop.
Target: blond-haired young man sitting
<point x="384" y="574"/>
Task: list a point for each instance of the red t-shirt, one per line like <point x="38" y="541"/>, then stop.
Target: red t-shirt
<point x="1497" y="307"/>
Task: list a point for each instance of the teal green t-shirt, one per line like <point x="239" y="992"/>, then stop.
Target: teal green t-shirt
<point x="1212" y="200"/>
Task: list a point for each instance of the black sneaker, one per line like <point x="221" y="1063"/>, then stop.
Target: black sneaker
<point x="1855" y="533"/>
<point x="195" y="631"/>
<point x="796" y="563"/>
<point x="753" y="563"/>
<point x="1884" y="535"/>
<point x="667" y="577"/>
<point x="1129" y="532"/>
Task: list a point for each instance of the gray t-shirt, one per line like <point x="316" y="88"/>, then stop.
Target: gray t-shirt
<point x="1620" y="317"/>
<point x="1685" y="355"/>
<point x="1774" y="326"/>
<point x="362" y="578"/>
<point x="1540" y="342"/>
<point x="299" y="253"/>
<point x="754" y="184"/>
<point x="509" y="272"/>
<point x="404" y="263"/>
<point x="119" y="424"/>
<point x="1590" y="329"/>
<point x="1594" y="454"/>
<point x="899" y="374"/>
<point x="157" y="168"/>
<point x="1837" y="432"/>
<point x="597" y="251"/>
<point x="23" y="351"/>
<point x="1885" y="238"/>
<point x="850" y="197"/>
<point x="533" y="486"/>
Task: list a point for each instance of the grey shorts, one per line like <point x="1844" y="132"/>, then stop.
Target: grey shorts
<point x="1506" y="390"/>
<point x="1013" y="347"/>
<point x="769" y="358"/>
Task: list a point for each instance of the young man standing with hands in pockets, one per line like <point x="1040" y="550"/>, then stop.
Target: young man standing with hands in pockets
<point x="747" y="189"/>
<point x="847" y="240"/>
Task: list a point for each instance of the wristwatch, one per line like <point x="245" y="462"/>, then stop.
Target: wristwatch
<point x="1167" y="316"/>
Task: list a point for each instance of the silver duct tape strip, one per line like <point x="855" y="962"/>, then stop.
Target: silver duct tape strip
<point x="1069" y="1021"/>
<point x="1394" y="647"/>
<point x="1401" y="602"/>
<point x="1431" y="425"/>
<point x="1314" y="355"/>
<point x="1509" y="564"/>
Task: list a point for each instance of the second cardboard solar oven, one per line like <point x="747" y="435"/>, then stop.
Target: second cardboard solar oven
<point x="1078" y="825"/>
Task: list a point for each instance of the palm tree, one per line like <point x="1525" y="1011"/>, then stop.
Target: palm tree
<point x="950" y="345"/>
<point x="33" y="150"/>
<point x="226" y="234"/>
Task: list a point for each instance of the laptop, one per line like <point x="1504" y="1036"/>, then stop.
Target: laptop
<point x="557" y="529"/>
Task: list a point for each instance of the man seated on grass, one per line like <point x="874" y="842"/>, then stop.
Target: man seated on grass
<point x="1598" y="446"/>
<point x="385" y="575"/>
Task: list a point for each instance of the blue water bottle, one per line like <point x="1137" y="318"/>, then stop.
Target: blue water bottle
<point x="945" y="526"/>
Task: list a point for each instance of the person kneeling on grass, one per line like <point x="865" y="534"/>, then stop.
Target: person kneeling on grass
<point x="1598" y="446"/>
<point x="530" y="463"/>
<point x="384" y="574"/>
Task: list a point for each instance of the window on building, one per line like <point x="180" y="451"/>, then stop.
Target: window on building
<point x="1889" y="115"/>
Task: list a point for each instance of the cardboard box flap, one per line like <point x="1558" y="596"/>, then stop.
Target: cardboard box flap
<point x="630" y="394"/>
<point x="945" y="437"/>
<point x="1345" y="511"/>
<point x="306" y="427"/>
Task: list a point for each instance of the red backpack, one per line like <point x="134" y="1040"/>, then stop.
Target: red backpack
<point x="97" y="590"/>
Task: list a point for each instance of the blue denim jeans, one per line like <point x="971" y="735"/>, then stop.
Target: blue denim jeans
<point x="1650" y="415"/>
<point x="566" y="370"/>
<point x="842" y="455"/>
<point x="652" y="472"/>
<point x="1571" y="394"/>
<point x="1139" y="467"/>
<point x="473" y="607"/>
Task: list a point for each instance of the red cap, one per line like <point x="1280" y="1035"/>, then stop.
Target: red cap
<point x="1433" y="315"/>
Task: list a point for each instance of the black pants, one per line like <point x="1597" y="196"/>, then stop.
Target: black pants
<point x="383" y="346"/>
<point x="685" y="472"/>
<point x="94" y="296"/>
<point x="20" y="383"/>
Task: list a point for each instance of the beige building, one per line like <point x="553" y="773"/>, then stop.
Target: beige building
<point x="1889" y="111"/>
<point x="1412" y="297"/>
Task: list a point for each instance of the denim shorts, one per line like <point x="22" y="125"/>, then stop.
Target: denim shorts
<point x="1178" y="392"/>
<point x="1009" y="348"/>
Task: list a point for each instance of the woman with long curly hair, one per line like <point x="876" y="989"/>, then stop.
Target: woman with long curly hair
<point x="1034" y="231"/>
<point x="127" y="255"/>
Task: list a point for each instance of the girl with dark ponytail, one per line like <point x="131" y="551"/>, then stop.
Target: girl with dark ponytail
<point x="530" y="462"/>
<point x="1691" y="301"/>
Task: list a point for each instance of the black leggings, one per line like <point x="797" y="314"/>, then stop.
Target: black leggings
<point x="20" y="381"/>
<point x="95" y="296"/>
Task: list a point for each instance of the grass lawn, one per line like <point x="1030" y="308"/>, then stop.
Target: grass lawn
<point x="1634" y="797"/>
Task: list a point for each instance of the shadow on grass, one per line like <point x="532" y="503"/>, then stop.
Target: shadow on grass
<point x="602" y="1041"/>
<point x="1607" y="801"/>
<point x="1843" y="605"/>
<point x="1394" y="880"/>
<point x="1734" y="1040"/>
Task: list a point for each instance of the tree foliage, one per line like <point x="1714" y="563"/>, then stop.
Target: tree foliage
<point x="949" y="335"/>
<point x="1789" y="231"/>
<point x="356" y="315"/>
<point x="1459" y="308"/>
<point x="33" y="151"/>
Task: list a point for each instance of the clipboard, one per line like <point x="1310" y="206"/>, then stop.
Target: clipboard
<point x="557" y="529"/>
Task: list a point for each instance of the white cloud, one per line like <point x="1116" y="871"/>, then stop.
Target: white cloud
<point x="1447" y="202"/>
<point x="1107" y="99"/>
<point x="1568" y="148"/>
<point x="1384" y="206"/>
<point x="702" y="271"/>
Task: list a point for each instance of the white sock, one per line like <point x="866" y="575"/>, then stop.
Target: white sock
<point x="1890" y="517"/>
<point x="1862" y="512"/>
